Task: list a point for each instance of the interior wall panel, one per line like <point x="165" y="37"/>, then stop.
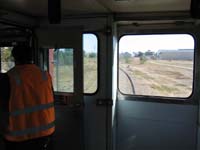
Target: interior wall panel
<point x="145" y="125"/>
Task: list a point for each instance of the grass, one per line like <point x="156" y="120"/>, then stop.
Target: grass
<point x="140" y="74"/>
<point x="157" y="78"/>
<point x="164" y="88"/>
<point x="65" y="75"/>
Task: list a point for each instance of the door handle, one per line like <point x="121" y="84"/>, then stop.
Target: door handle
<point x="104" y="102"/>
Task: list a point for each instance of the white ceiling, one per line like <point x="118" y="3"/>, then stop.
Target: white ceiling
<point x="39" y="7"/>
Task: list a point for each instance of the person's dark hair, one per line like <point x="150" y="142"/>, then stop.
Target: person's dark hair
<point x="22" y="54"/>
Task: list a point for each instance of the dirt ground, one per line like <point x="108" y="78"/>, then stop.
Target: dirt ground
<point x="157" y="77"/>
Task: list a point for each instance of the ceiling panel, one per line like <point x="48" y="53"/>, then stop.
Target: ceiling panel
<point x="3" y="26"/>
<point x="147" y="5"/>
<point x="39" y="7"/>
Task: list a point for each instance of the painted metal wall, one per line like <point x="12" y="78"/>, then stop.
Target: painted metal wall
<point x="146" y="125"/>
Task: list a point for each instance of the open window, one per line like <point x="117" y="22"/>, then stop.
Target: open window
<point x="7" y="61"/>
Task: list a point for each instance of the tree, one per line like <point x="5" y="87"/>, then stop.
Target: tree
<point x="92" y="55"/>
<point x="149" y="53"/>
<point x="140" y="54"/>
<point x="68" y="57"/>
<point x="6" y="54"/>
<point x="126" y="56"/>
<point x="61" y="58"/>
<point x="6" y="58"/>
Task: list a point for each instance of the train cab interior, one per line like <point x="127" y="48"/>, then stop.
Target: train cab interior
<point x="126" y="73"/>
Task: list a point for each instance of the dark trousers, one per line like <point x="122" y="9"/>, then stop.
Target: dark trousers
<point x="43" y="143"/>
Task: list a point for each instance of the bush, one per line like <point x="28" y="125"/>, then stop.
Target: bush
<point x="92" y="55"/>
<point x="143" y="59"/>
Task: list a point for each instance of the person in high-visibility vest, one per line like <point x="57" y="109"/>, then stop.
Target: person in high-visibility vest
<point x="30" y="104"/>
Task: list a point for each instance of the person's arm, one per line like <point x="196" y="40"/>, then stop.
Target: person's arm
<point x="51" y="85"/>
<point x="4" y="101"/>
<point x="4" y="90"/>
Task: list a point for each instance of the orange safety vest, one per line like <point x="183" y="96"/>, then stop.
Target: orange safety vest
<point x="31" y="104"/>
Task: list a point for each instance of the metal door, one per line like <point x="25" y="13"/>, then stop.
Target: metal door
<point x="68" y="101"/>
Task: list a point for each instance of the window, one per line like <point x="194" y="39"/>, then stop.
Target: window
<point x="61" y="66"/>
<point x="90" y="62"/>
<point x="156" y="65"/>
<point x="6" y="59"/>
<point x="61" y="69"/>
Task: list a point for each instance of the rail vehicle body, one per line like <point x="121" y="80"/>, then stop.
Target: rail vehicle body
<point x="126" y="73"/>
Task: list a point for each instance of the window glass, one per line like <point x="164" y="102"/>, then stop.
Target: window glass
<point x="61" y="69"/>
<point x="61" y="66"/>
<point x="156" y="65"/>
<point x="7" y="61"/>
<point x="90" y="56"/>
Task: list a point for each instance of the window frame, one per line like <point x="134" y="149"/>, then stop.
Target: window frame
<point x="98" y="56"/>
<point x="161" y="99"/>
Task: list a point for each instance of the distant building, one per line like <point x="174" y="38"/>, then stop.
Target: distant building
<point x="180" y="54"/>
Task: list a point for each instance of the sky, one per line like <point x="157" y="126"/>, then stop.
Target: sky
<point x="90" y="43"/>
<point x="143" y="43"/>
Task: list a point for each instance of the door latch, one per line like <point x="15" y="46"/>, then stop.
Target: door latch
<point x="104" y="102"/>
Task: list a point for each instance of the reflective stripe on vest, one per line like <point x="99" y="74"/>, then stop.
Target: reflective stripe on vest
<point x="32" y="130"/>
<point x="32" y="109"/>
